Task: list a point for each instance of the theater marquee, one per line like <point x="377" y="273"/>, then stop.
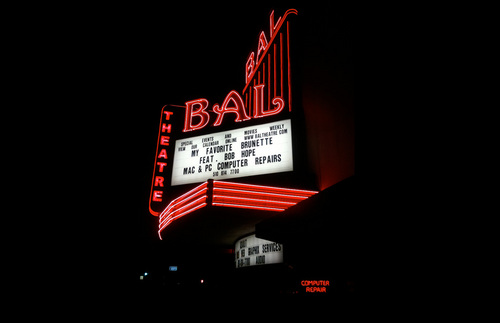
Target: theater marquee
<point x="249" y="151"/>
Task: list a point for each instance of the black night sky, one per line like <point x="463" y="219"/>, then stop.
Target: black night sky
<point x="115" y="68"/>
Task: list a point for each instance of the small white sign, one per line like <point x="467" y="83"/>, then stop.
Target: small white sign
<point x="253" y="251"/>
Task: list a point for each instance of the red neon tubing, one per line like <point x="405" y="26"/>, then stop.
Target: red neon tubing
<point x="230" y="194"/>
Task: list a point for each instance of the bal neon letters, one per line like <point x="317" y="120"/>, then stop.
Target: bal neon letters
<point x="197" y="114"/>
<point x="233" y="103"/>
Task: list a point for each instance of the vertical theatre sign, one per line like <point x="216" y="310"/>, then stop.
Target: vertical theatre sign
<point x="162" y="167"/>
<point x="247" y="151"/>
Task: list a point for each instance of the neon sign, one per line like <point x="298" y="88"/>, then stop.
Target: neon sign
<point x="315" y="286"/>
<point x="163" y="150"/>
<point x="235" y="195"/>
<point x="267" y="79"/>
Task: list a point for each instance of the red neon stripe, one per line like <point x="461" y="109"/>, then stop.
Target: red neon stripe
<point x="171" y="214"/>
<point x="274" y="63"/>
<point x="261" y="188"/>
<point x="224" y="197"/>
<point x="263" y="79"/>
<point x="185" y="195"/>
<point x="250" y="96"/>
<point x="264" y="194"/>
<point x="182" y="214"/>
<point x="239" y="200"/>
<point x="252" y="206"/>
<point x="176" y="203"/>
<point x="269" y="82"/>
<point x="195" y="207"/>
<point x="224" y="183"/>
<point x="261" y="196"/>
<point x="181" y="204"/>
<point x="289" y="71"/>
<point x="191" y="191"/>
<point x="243" y="206"/>
<point x="281" y="63"/>
<point x="235" y="185"/>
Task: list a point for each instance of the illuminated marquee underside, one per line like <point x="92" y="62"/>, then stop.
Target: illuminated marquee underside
<point x="228" y="194"/>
